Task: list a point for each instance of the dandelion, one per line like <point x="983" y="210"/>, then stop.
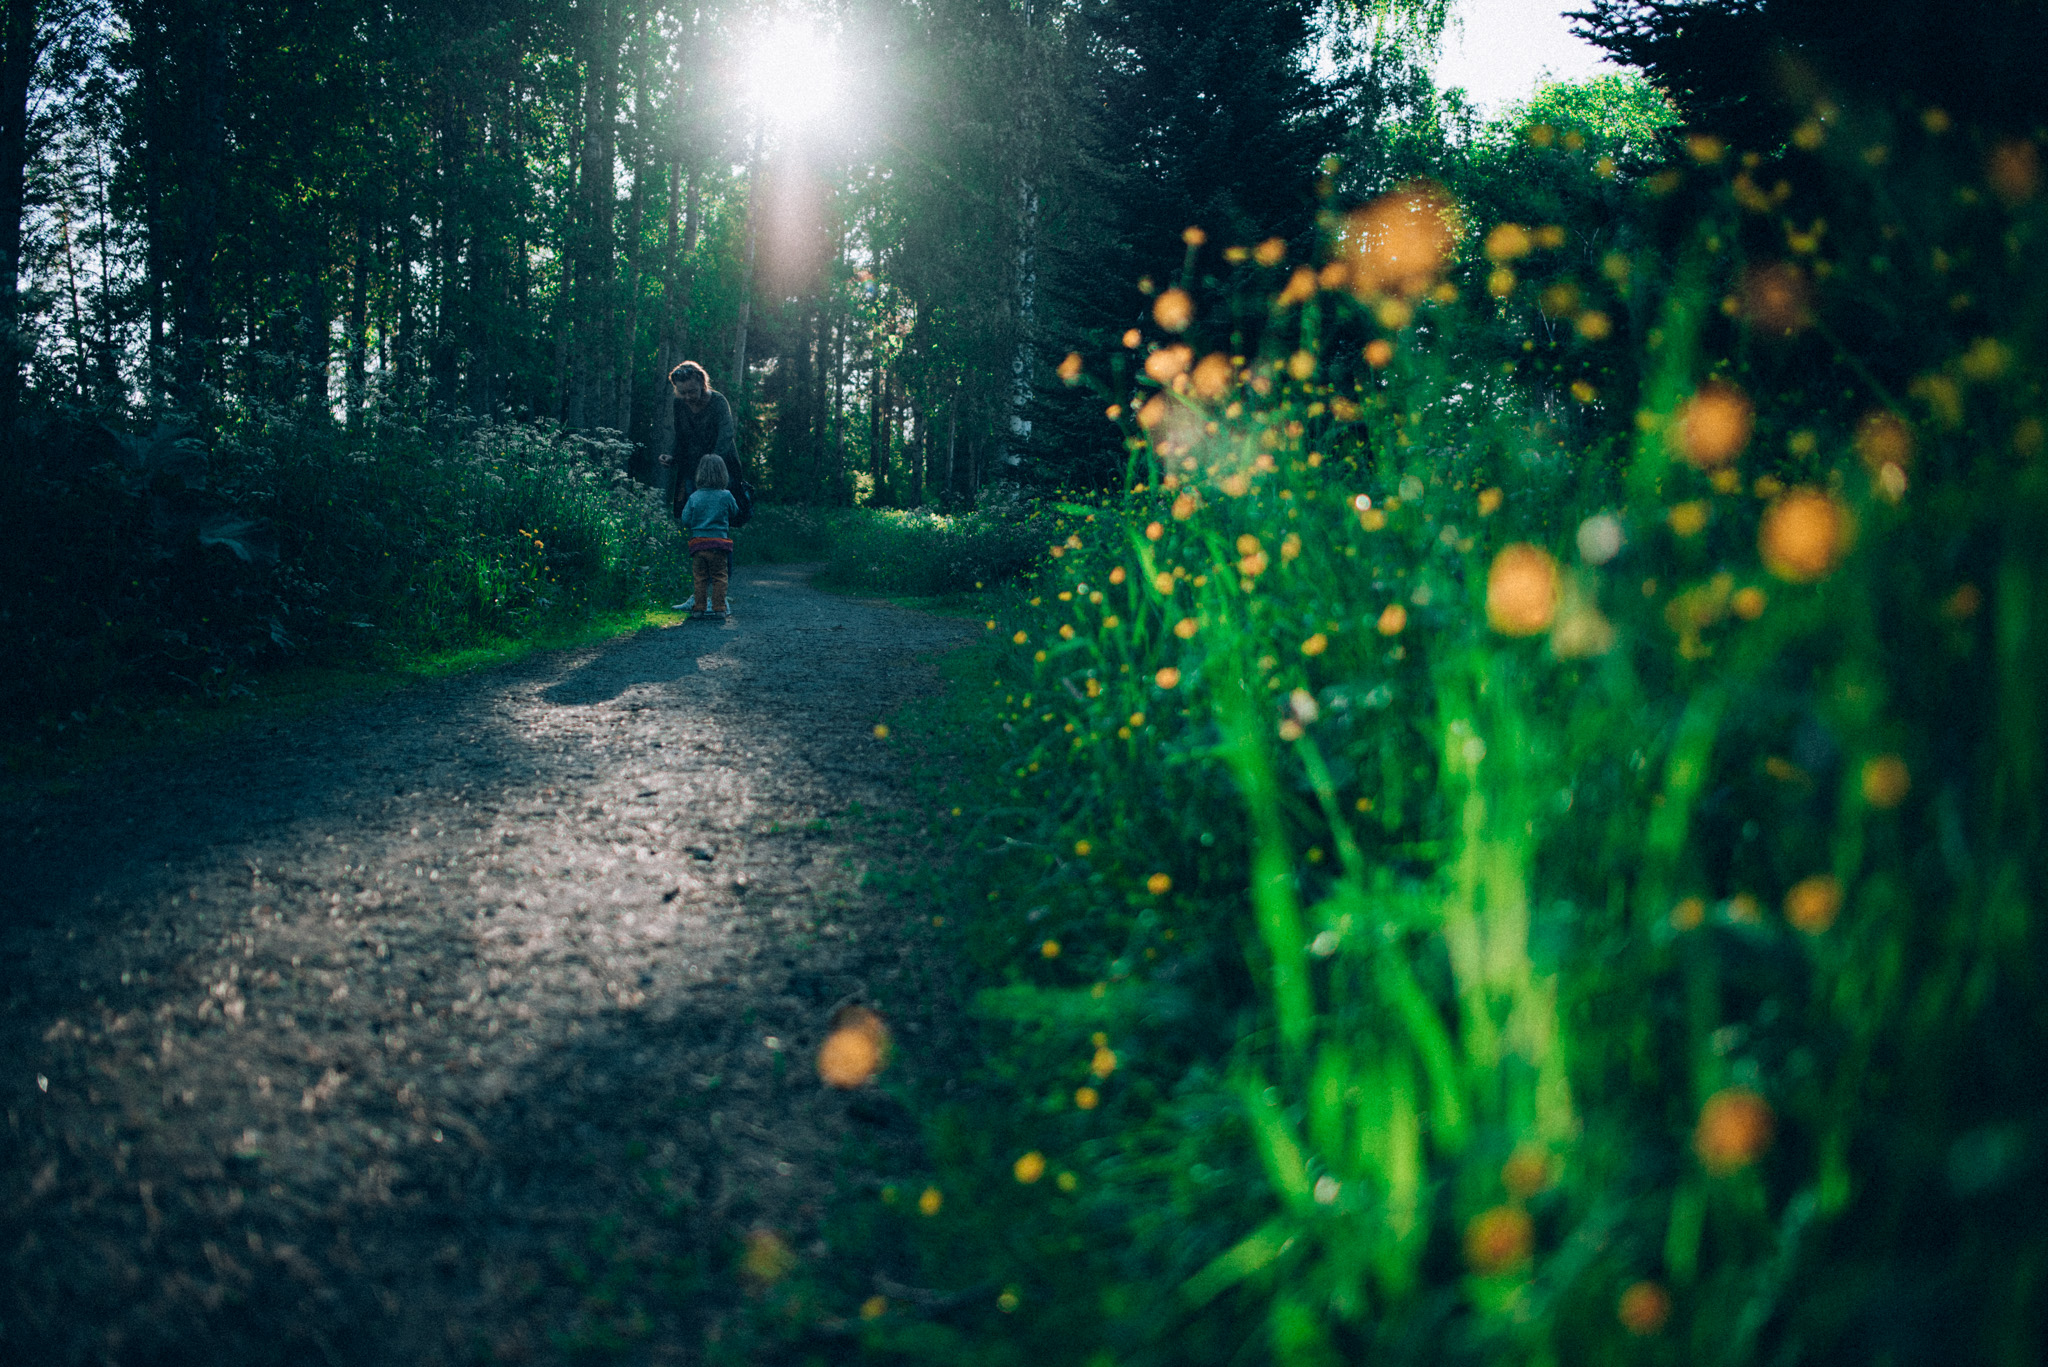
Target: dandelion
<point x="1501" y="282"/>
<point x="1271" y="252"/>
<point x="1393" y="620"/>
<point x="1521" y="590"/>
<point x="1020" y="638"/>
<point x="1050" y="949"/>
<point x="1643" y="1308"/>
<point x="1154" y="530"/>
<point x="1490" y="501"/>
<point x="1584" y="392"/>
<point x="1315" y="645"/>
<point x="1168" y="677"/>
<point x="1184" y="507"/>
<point x="1159" y="884"/>
<point x="1804" y="535"/>
<point x="1301" y="364"/>
<point x="1499" y="1240"/>
<point x="1153" y="412"/>
<point x="1301" y="286"/>
<point x="1086" y="1099"/>
<point x="1066" y="632"/>
<point x="1186" y="628"/>
<point x="1885" y="781"/>
<point x="1131" y="338"/>
<point x="1030" y="1167"/>
<point x="1748" y="603"/>
<point x="1735" y="1127"/>
<point x="1070" y="368"/>
<point x="1379" y="353"/>
<point x="1104" y="1061"/>
<point x="1813" y="903"/>
<point x="930" y="1202"/>
<point x="1688" y="913"/>
<point x="1593" y="325"/>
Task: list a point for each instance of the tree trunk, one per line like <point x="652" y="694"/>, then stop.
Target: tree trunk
<point x="629" y="333"/>
<point x="17" y="66"/>
<point x="738" y="383"/>
<point x="359" y="320"/>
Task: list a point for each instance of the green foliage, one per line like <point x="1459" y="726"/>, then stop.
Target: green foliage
<point x="1457" y="881"/>
<point x="146" y="569"/>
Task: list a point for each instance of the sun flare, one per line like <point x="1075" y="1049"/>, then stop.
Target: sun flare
<point x="793" y="75"/>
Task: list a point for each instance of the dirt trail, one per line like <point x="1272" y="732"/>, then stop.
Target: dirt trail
<point x="439" y="1030"/>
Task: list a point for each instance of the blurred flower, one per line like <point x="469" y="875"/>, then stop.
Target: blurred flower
<point x="1378" y="352"/>
<point x="2014" y="170"/>
<point x="1935" y="121"/>
<point x="1688" y="519"/>
<point x="1212" y="376"/>
<point x="1600" y="538"/>
<point x="1490" y="501"/>
<point x="1050" y="949"/>
<point x="1813" y="903"/>
<point x="1582" y="631"/>
<point x="1132" y="337"/>
<point x="1714" y="425"/>
<point x="855" y="1050"/>
<point x="1301" y="364"/>
<point x="1302" y="706"/>
<point x="1560" y="299"/>
<point x="930" y="1201"/>
<point x="1300" y="286"/>
<point x="1962" y="605"/>
<point x="1521" y="590"/>
<point x="1194" y="237"/>
<point x="1987" y="359"/>
<point x="1394" y="620"/>
<point x="1159" y="884"/>
<point x="1734" y="1129"/>
<point x="1886" y="781"/>
<point x="1550" y="236"/>
<point x="1154" y="411"/>
<point x="1705" y="148"/>
<point x="1744" y="909"/>
<point x="1527" y="1171"/>
<point x="1540" y="134"/>
<point x="1087" y="1098"/>
<point x="1070" y="369"/>
<point x="1499" y="1240"/>
<point x="1167" y="677"/>
<point x="1804" y="535"/>
<point x="1154" y="530"/>
<point x="1500" y="282"/>
<point x="1776" y="299"/>
<point x="1174" y="310"/>
<point x="1186" y="628"/>
<point x="767" y="1259"/>
<point x="874" y="1307"/>
<point x="1584" y="392"/>
<point x="1507" y="242"/>
<point x="1030" y="1167"/>
<point x="1184" y="507"/>
<point x="1748" y="603"/>
<point x="1397" y="244"/>
<point x="1643" y="1309"/>
<point x="1271" y="252"/>
<point x="1884" y="439"/>
<point x="1593" y="325"/>
<point x="1688" y="913"/>
<point x="1315" y="645"/>
<point x="1083" y="848"/>
<point x="1167" y="362"/>
<point x="1104" y="1061"/>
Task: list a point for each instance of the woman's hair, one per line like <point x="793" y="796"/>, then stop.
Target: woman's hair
<point x="711" y="474"/>
<point x="675" y="377"/>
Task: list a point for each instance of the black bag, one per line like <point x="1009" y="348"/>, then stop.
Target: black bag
<point x="742" y="494"/>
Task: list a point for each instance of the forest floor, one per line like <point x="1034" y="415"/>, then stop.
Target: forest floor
<point x="473" y="1023"/>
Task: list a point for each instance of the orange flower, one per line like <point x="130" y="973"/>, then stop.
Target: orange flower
<point x="856" y="1049"/>
<point x="1507" y="242"/>
<point x="1030" y="1167"/>
<point x="1521" y="590"/>
<point x="1167" y="362"/>
<point x="1735" y="1128"/>
<point x="1714" y="425"/>
<point x="1174" y="310"/>
<point x="1883" y="439"/>
<point x="1643" y="1309"/>
<point x="1885" y="781"/>
<point x="1159" y="884"/>
<point x="1526" y="1172"/>
<point x="1397" y="244"/>
<point x="1167" y="677"/>
<point x="1379" y="353"/>
<point x="1394" y="620"/>
<point x="1499" y="1240"/>
<point x="1813" y="903"/>
<point x="1804" y="535"/>
<point x="1775" y="299"/>
<point x="1212" y="376"/>
<point x="1070" y="369"/>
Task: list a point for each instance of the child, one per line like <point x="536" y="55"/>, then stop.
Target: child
<point x="708" y="516"/>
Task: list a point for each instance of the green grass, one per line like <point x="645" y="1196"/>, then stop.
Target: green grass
<point x="1623" y="952"/>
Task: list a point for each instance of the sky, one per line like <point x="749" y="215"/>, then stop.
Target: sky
<point x="1499" y="49"/>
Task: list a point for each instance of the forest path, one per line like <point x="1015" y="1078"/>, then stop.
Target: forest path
<point x="441" y="1029"/>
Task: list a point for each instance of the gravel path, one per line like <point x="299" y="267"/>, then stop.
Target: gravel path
<point x="457" y="1026"/>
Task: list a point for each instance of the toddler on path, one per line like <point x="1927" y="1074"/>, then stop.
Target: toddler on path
<point x="708" y="516"/>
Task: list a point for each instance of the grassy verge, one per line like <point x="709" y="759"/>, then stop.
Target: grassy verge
<point x="1453" y="884"/>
